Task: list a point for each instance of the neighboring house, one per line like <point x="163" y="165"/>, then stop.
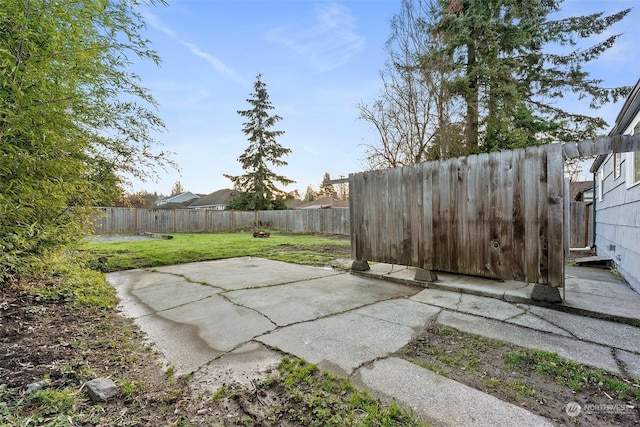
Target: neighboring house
<point x="617" y="198"/>
<point x="327" y="202"/>
<point x="216" y="201"/>
<point x="581" y="191"/>
<point x="179" y="199"/>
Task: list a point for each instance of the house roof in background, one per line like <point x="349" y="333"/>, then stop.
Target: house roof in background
<point x="326" y="202"/>
<point x="220" y="197"/>
<point x="180" y="198"/>
<point x="575" y="188"/>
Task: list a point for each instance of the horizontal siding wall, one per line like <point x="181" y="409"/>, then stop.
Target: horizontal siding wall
<point x="133" y="220"/>
<point x="618" y="224"/>
<point x="498" y="215"/>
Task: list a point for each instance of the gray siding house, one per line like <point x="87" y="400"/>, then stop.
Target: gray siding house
<point x="617" y="198"/>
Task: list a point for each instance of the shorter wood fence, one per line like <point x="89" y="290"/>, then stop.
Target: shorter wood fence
<point x="134" y="220"/>
<point x="580" y="224"/>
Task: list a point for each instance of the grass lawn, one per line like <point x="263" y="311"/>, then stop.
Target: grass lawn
<point x="307" y="249"/>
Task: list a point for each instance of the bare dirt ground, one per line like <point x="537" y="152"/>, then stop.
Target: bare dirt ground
<point x="51" y="341"/>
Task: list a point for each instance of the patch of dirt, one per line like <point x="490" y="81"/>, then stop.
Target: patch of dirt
<point x="62" y="346"/>
<point x="480" y="363"/>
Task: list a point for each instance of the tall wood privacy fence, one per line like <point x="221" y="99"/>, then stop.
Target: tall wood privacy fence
<point x="497" y="215"/>
<point x="133" y="220"/>
<point x="580" y="224"/>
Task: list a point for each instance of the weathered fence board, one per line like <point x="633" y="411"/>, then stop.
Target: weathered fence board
<point x="496" y="215"/>
<point x="132" y="220"/>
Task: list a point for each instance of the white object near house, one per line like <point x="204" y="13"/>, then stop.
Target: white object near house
<point x="617" y="197"/>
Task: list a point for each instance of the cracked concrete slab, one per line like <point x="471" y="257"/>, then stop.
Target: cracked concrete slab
<point x="247" y="272"/>
<point x="595" y="355"/>
<point x="440" y="400"/>
<point x="220" y="323"/>
<point x="343" y="342"/>
<point x="532" y="321"/>
<point x="439" y="298"/>
<point x="488" y="307"/>
<point x="401" y="311"/>
<point x="164" y="297"/>
<point x="133" y="287"/>
<point x="179" y="343"/>
<point x="310" y="299"/>
<point x="612" y="334"/>
<point x="248" y="363"/>
<point x="631" y="362"/>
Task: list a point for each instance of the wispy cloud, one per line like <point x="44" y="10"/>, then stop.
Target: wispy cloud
<point x="217" y="64"/>
<point x="327" y="45"/>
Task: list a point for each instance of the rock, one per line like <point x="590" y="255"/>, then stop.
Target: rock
<point x="360" y="266"/>
<point x="545" y="293"/>
<point x="101" y="389"/>
<point x="423" y="275"/>
<point x="33" y="387"/>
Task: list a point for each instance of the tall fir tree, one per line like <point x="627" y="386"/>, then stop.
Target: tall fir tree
<point x="258" y="183"/>
<point x="509" y="79"/>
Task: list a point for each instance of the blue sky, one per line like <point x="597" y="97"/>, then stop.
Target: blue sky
<point x="318" y="60"/>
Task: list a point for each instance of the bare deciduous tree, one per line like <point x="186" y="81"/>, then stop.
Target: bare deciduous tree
<point x="414" y="114"/>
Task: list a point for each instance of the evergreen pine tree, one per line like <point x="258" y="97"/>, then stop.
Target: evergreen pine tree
<point x="507" y="79"/>
<point x="259" y="182"/>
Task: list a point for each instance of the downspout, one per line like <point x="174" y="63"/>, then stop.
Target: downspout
<point x="593" y="226"/>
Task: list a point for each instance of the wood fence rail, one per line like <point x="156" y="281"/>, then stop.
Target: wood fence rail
<point x="113" y="220"/>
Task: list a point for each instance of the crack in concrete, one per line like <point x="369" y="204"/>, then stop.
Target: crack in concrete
<point x="513" y="317"/>
<point x="252" y="309"/>
<point x="186" y="278"/>
<point x="621" y="365"/>
<point x="170" y="308"/>
<point x="337" y="313"/>
<point x="557" y="326"/>
<point x="459" y="302"/>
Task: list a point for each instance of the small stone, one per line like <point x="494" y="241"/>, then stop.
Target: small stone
<point x="101" y="389"/>
<point x="33" y="387"/>
<point x="201" y="411"/>
<point x="360" y="266"/>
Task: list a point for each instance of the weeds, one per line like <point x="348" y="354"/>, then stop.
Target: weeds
<point x="572" y="374"/>
<point x="331" y="400"/>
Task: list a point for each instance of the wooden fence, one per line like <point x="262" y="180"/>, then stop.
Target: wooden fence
<point x="498" y="215"/>
<point x="134" y="220"/>
<point x="580" y="224"/>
